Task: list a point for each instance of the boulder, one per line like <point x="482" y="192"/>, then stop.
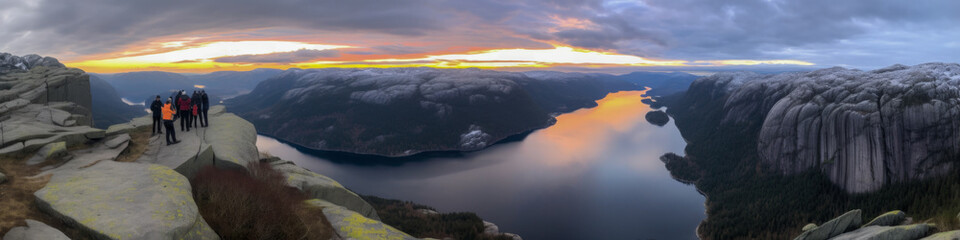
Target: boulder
<point x="352" y="225"/>
<point x="322" y="187"/>
<point x="35" y="230"/>
<point x="809" y="226"/>
<point x="233" y="139"/>
<point x="891" y="218"/>
<point x="186" y="157"/>
<point x="116" y="200"/>
<point x="904" y="232"/>
<point x="490" y="229"/>
<point x="833" y="227"/>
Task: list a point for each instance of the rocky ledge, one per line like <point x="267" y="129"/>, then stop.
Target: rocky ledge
<point x="862" y="129"/>
<point x="893" y="225"/>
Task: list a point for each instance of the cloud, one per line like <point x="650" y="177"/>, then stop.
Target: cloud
<point x="827" y="32"/>
<point x="301" y="55"/>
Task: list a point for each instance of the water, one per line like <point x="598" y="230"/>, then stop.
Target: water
<point x="596" y="174"/>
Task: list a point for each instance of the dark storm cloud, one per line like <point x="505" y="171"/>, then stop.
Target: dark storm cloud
<point x="827" y="32"/>
<point x="301" y="55"/>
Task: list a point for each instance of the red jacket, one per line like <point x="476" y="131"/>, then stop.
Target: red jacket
<point x="195" y="110"/>
<point x="184" y="104"/>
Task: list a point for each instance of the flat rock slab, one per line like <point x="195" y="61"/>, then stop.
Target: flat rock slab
<point x="322" y="187"/>
<point x="35" y="230"/>
<point x="833" y="227"/>
<point x="352" y="225"/>
<point x="951" y="235"/>
<point x="115" y="200"/>
<point x="891" y="218"/>
<point x="229" y="142"/>
<point x="186" y="157"/>
<point x="136" y="123"/>
<point x="905" y="232"/>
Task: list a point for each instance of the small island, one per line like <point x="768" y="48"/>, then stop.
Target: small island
<point x="657" y="117"/>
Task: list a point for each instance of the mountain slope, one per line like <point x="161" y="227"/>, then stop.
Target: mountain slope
<point x="108" y="109"/>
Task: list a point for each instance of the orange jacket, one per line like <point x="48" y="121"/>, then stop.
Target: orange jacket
<point x="168" y="112"/>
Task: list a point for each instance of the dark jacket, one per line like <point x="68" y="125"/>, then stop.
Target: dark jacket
<point x="195" y="99"/>
<point x="204" y="101"/>
<point x="155" y="107"/>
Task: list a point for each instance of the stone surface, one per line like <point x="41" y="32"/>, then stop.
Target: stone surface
<point x="135" y="124"/>
<point x="809" y="226"/>
<point x="951" y="235"/>
<point x="888" y="219"/>
<point x="905" y="232"/>
<point x="322" y="187"/>
<point x="833" y="227"/>
<point x="115" y="200"/>
<point x="353" y="225"/>
<point x="51" y="150"/>
<point x="229" y="142"/>
<point x="35" y="230"/>
<point x="862" y="129"/>
<point x="3" y="177"/>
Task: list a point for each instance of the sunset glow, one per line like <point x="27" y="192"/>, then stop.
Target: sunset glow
<point x="187" y="56"/>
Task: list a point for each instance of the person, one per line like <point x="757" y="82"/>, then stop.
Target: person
<point x="204" y="106"/>
<point x="157" y="119"/>
<point x="194" y="115"/>
<point x="184" y="108"/>
<point x="167" y="114"/>
<point x="195" y="102"/>
<point x="176" y="100"/>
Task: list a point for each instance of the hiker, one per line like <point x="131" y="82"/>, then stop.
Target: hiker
<point x="195" y="102"/>
<point x="176" y="100"/>
<point x="184" y="107"/>
<point x="168" y="112"/>
<point x="204" y="106"/>
<point x="195" y="109"/>
<point x="157" y="119"/>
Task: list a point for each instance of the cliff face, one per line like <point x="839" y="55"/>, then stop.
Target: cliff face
<point x="863" y="129"/>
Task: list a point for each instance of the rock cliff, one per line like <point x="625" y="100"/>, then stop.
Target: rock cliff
<point x="862" y="129"/>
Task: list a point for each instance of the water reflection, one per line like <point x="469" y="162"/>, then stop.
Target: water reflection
<point x="596" y="174"/>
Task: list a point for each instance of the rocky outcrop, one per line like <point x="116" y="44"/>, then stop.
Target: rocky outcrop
<point x="42" y="102"/>
<point x="888" y="226"/>
<point x="352" y="225"/>
<point x="657" y="117"/>
<point x="229" y="142"/>
<point x="322" y="187"/>
<point x="118" y="200"/>
<point x="863" y="129"/>
<point x="35" y="230"/>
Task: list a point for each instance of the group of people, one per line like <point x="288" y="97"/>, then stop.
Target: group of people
<point x="192" y="111"/>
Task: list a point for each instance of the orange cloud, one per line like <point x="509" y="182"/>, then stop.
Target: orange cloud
<point x="191" y="56"/>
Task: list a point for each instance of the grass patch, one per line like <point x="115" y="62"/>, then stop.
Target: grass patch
<point x="411" y="218"/>
<point x="139" y="141"/>
<point x="17" y="202"/>
<point x="256" y="205"/>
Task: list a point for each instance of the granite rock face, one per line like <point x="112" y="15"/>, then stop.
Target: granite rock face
<point x="43" y="102"/>
<point x="863" y="129"/>
<point x="887" y="226"/>
<point x="322" y="187"/>
<point x="352" y="225"/>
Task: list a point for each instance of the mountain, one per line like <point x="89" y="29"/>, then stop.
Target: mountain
<point x="391" y="112"/>
<point x="135" y="86"/>
<point x="108" y="109"/>
<point x="660" y="83"/>
<point x="863" y="129"/>
<point x="778" y="150"/>
<point x="228" y="84"/>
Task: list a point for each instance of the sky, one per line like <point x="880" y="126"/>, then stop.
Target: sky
<point x="107" y="36"/>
